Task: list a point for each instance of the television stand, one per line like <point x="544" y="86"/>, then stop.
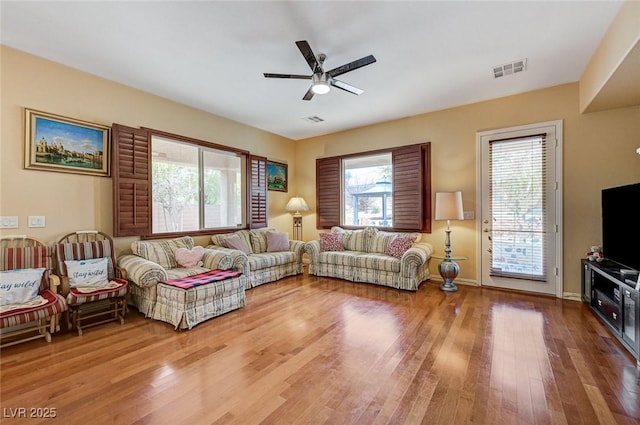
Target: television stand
<point x="610" y="290"/>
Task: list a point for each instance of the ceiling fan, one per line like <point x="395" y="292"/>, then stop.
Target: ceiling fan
<point x="322" y="80"/>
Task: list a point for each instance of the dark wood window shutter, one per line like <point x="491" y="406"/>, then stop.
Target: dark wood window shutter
<point x="328" y="177"/>
<point x="409" y="188"/>
<point x="131" y="181"/>
<point x="258" y="192"/>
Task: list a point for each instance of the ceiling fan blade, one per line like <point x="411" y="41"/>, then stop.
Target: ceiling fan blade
<point x="367" y="60"/>
<point x="308" y="54"/>
<point x="308" y="95"/>
<point x="296" y="76"/>
<point x="346" y="87"/>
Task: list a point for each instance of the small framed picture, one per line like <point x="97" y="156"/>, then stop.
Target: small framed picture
<point x="67" y="145"/>
<point x="277" y="178"/>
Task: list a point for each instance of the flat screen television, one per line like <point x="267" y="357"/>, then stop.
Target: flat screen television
<point x="621" y="225"/>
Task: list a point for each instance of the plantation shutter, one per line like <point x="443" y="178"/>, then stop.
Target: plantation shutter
<point x="518" y="207"/>
<point x="257" y="192"/>
<point x="409" y="188"/>
<point x="328" y="178"/>
<point x="131" y="181"/>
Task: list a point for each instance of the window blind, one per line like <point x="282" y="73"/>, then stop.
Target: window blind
<point x="518" y="193"/>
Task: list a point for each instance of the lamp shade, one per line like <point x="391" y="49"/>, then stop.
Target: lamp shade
<point x="296" y="204"/>
<point x="449" y="206"/>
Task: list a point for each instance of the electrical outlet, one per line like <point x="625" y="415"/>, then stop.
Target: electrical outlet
<point x="9" y="222"/>
<point x="36" y="221"/>
<point x="469" y="215"/>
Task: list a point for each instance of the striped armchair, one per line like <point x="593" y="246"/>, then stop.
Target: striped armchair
<point x="37" y="318"/>
<point x="96" y="304"/>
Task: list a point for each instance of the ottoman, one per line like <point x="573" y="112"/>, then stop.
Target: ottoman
<point x="187" y="301"/>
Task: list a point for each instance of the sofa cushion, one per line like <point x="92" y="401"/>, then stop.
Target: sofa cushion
<point x="380" y="242"/>
<point x="258" y="239"/>
<point x="399" y="245"/>
<point x="277" y="241"/>
<point x="331" y="242"/>
<point x="88" y="273"/>
<point x="264" y="260"/>
<point x="234" y="241"/>
<point x="342" y="258"/>
<point x="245" y="235"/>
<point x="378" y="262"/>
<point x="161" y="252"/>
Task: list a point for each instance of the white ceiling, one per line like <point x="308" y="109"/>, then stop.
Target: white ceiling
<point x="211" y="55"/>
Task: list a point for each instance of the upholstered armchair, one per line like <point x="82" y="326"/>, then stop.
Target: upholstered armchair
<point x="90" y="279"/>
<point x="29" y="305"/>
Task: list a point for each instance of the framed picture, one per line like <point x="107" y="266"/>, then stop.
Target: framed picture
<point x="277" y="178"/>
<point x="67" y="145"/>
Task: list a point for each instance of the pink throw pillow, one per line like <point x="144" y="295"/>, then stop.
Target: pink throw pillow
<point x="277" y="241"/>
<point x="399" y="245"/>
<point x="189" y="257"/>
<point x="234" y="242"/>
<point x="331" y="242"/>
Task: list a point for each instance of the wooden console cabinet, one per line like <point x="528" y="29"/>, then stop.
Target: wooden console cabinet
<point x="614" y="299"/>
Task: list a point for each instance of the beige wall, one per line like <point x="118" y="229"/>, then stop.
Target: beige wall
<point x="69" y="201"/>
<point x="599" y="152"/>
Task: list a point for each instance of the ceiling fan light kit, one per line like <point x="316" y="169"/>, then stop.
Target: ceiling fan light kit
<point x="323" y="81"/>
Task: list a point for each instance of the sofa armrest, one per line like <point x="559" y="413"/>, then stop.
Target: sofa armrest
<point x="297" y="247"/>
<point x="313" y="249"/>
<point x="217" y="257"/>
<point x="142" y="272"/>
<point x="415" y="257"/>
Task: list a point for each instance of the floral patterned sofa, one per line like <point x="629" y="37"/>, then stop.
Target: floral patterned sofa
<point x="270" y="254"/>
<point x="394" y="259"/>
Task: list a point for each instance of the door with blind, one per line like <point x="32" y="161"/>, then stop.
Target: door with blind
<point x="520" y="223"/>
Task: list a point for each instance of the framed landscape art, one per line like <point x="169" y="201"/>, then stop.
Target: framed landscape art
<point x="277" y="178"/>
<point x="57" y="143"/>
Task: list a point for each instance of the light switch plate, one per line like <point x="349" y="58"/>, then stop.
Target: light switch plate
<point x="469" y="215"/>
<point x="36" y="221"/>
<point x="9" y="222"/>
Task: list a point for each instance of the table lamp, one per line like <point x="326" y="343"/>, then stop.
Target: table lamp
<point x="448" y="207"/>
<point x="297" y="204"/>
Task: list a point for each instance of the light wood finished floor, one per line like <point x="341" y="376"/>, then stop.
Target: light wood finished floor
<point x="307" y="350"/>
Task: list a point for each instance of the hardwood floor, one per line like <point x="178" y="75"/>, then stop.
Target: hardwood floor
<point x="309" y="350"/>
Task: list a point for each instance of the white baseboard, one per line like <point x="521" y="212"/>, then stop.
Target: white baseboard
<point x="571" y="296"/>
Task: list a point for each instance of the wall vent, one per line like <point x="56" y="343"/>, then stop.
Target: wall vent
<point x="509" y="68"/>
<point x="313" y="119"/>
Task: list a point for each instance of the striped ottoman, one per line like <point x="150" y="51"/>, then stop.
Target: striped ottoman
<point x="187" y="301"/>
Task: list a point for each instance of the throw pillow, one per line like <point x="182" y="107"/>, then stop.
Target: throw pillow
<point x="19" y="286"/>
<point x="189" y="257"/>
<point x="234" y="241"/>
<point x="399" y="245"/>
<point x="87" y="273"/>
<point x="277" y="241"/>
<point x="331" y="242"/>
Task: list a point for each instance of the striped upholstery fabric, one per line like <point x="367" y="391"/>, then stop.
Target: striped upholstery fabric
<point x="32" y="257"/>
<point x="162" y="252"/>
<point x="85" y="251"/>
<point x="264" y="267"/>
<point x="185" y="308"/>
<point x="76" y="297"/>
<point x="372" y="267"/>
<point x="39" y="256"/>
<point x="55" y="305"/>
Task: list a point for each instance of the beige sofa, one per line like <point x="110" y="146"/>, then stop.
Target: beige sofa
<point x="264" y="265"/>
<point x="153" y="261"/>
<point x="364" y="257"/>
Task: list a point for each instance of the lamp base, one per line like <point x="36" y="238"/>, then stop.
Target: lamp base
<point x="449" y="270"/>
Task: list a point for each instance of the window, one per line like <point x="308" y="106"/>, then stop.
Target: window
<point x="368" y="190"/>
<point x="165" y="184"/>
<point x="195" y="187"/>
<point x="388" y="188"/>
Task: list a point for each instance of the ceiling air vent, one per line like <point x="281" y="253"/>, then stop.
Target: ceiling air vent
<point x="509" y="68"/>
<point x="313" y="119"/>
